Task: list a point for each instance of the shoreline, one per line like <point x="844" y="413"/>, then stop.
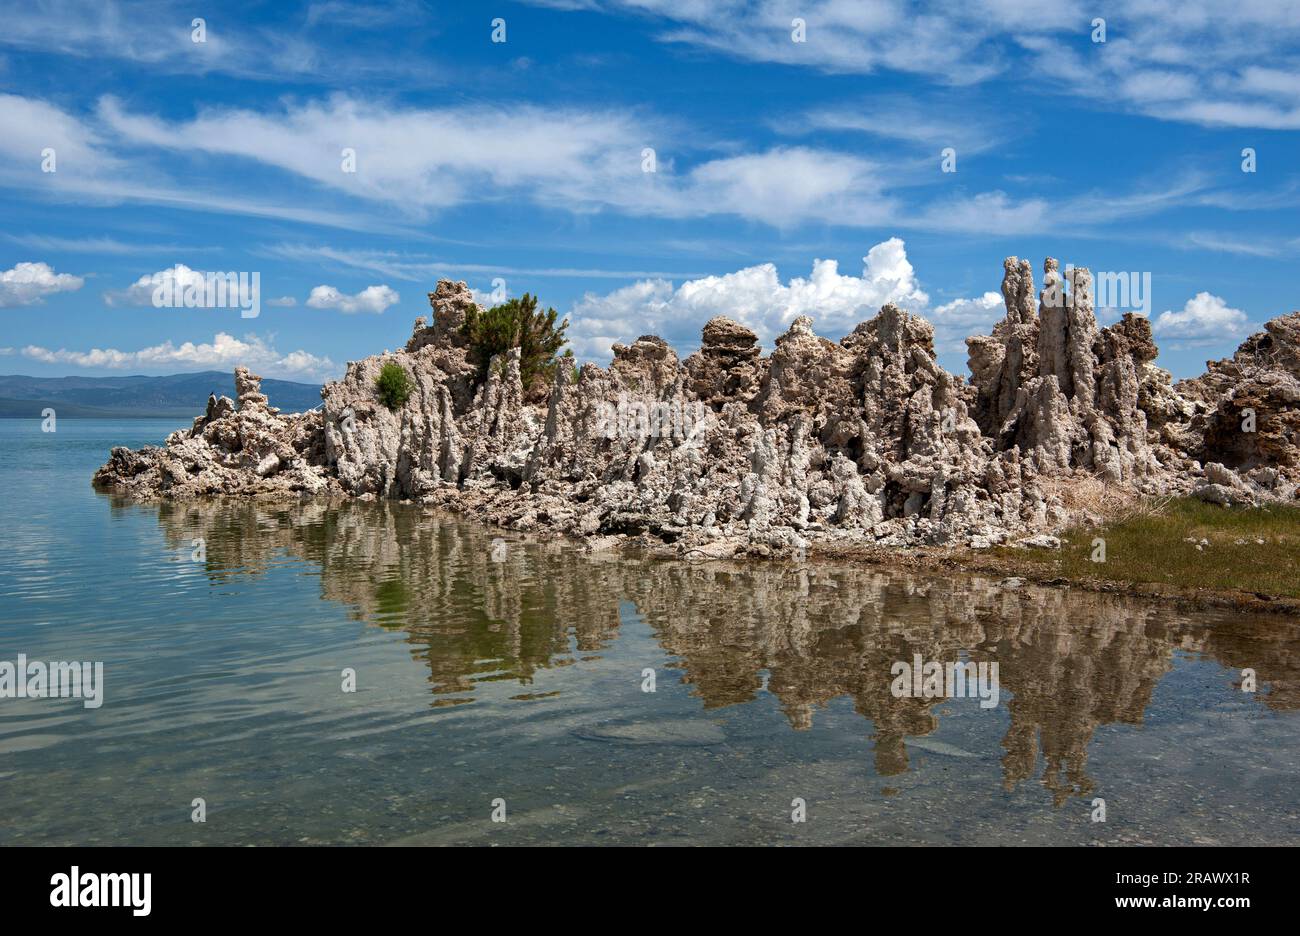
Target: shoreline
<point x="968" y="561"/>
<point x="1000" y="561"/>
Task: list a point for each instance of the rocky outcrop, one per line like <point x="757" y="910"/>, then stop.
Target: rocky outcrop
<point x="862" y="440"/>
<point x="727" y="367"/>
<point x="1246" y="409"/>
<point x="250" y="448"/>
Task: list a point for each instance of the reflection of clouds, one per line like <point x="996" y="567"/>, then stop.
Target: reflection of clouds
<point x="1069" y="661"/>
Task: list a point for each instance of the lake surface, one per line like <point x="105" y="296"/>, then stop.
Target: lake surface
<point x="493" y="668"/>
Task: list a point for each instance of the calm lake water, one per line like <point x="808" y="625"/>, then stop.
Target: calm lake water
<point x="516" y="673"/>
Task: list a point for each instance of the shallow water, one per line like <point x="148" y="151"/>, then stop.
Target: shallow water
<point x="516" y="673"/>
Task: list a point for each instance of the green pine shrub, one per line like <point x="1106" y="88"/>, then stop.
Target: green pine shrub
<point x="517" y="323"/>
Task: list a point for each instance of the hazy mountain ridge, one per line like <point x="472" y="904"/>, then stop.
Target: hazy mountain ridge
<point x="137" y="396"/>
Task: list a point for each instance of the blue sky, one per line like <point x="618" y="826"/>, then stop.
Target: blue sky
<point x="778" y="167"/>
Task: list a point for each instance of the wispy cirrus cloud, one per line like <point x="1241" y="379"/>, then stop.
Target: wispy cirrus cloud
<point x="89" y="170"/>
<point x="422" y="268"/>
<point x="930" y="123"/>
<point x="422" y="162"/>
<point x="416" y="159"/>
<point x="425" y="161"/>
<point x="107" y="246"/>
<point x="160" y="35"/>
<point x="1227" y="243"/>
<point x="1195" y="61"/>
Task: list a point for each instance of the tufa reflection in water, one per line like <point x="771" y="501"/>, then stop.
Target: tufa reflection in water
<point x="1069" y="661"/>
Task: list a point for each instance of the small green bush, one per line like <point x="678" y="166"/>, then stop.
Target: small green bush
<point x="394" y="385"/>
<point x="517" y="323"/>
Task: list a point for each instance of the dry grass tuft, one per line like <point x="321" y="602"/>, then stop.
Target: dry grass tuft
<point x="1098" y="501"/>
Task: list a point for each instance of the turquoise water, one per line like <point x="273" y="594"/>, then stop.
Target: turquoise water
<point x="514" y="672"/>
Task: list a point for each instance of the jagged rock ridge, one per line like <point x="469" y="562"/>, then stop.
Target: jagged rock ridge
<point x="863" y="440"/>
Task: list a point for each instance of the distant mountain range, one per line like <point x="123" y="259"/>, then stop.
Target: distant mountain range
<point x="180" y="395"/>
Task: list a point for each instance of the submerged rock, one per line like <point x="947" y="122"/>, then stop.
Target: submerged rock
<point x="938" y="747"/>
<point x="679" y="731"/>
<point x="866" y="440"/>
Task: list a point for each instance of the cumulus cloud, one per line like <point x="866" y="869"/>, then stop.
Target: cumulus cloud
<point x="30" y="283"/>
<point x="224" y="351"/>
<point x="1203" y="319"/>
<point x="754" y="296"/>
<point x="140" y="293"/>
<point x="175" y="281"/>
<point x="373" y="299"/>
<point x="956" y="321"/>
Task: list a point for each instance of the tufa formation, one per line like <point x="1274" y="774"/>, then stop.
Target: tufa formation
<point x="862" y="441"/>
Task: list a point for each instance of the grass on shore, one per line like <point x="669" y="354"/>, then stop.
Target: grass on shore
<point x="1253" y="550"/>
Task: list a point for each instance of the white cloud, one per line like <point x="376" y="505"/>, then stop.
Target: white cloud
<point x="158" y="35"/>
<point x="754" y="296"/>
<point x="140" y="293"/>
<point x="422" y="268"/>
<point x="88" y="172"/>
<point x="373" y="299"/>
<point x="32" y="126"/>
<point x="177" y="280"/>
<point x="95" y="245"/>
<point x="956" y="321"/>
<point x="1203" y="319"/>
<point x="30" y="283"/>
<point x="1227" y="243"/>
<point x="990" y="211"/>
<point x="417" y="159"/>
<point x="783" y="186"/>
<point x="844" y="37"/>
<point x="284" y="302"/>
<point x="1188" y="60"/>
<point x="422" y="161"/>
<point x="930" y="123"/>
<point x="224" y="351"/>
